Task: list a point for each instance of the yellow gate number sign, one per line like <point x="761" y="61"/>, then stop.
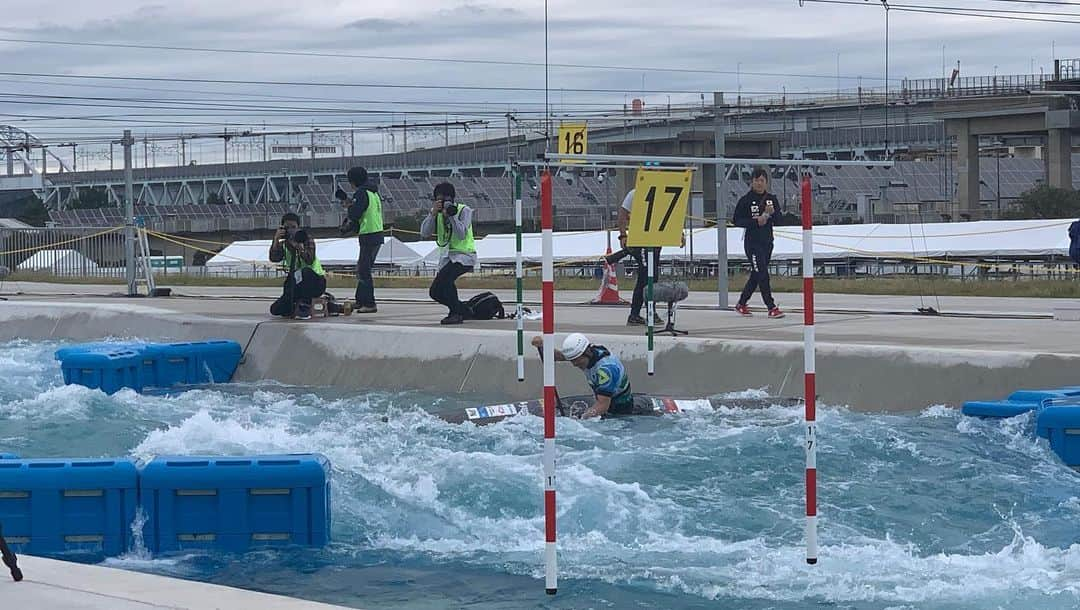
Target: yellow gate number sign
<point x="659" y="207"/>
<point x="573" y="139"/>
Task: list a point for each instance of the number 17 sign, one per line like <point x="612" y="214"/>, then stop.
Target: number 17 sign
<point x="659" y="207"/>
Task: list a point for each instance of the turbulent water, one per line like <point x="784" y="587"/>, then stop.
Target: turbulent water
<point x="926" y="510"/>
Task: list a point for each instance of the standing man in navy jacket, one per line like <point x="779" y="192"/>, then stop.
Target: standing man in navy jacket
<point x="754" y="213"/>
<point x="365" y="220"/>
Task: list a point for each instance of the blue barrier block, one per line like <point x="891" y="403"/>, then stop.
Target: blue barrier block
<point x="54" y="506"/>
<point x="8" y="456"/>
<point x="1037" y="396"/>
<point x="112" y="366"/>
<point x="236" y="503"/>
<point x="997" y="408"/>
<point x="190" y="363"/>
<point x="1061" y="425"/>
<point x="104" y="366"/>
<point x="1018" y="403"/>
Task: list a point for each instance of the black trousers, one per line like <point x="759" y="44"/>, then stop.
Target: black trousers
<point x="365" y="284"/>
<point x="8" y="557"/>
<point x="638" y="254"/>
<point x="444" y="290"/>
<point x="759" y="256"/>
<point x="311" y="285"/>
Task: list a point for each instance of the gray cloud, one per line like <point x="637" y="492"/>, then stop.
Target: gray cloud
<point x="771" y="36"/>
<point x="377" y="25"/>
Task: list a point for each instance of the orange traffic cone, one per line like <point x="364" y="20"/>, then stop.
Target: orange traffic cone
<point x="609" y="287"/>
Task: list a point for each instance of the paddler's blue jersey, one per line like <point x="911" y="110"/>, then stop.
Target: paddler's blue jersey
<point x="607" y="376"/>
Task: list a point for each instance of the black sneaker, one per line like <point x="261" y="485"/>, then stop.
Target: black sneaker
<point x="453" y="319"/>
<point x="635" y="321"/>
<point x="303" y="312"/>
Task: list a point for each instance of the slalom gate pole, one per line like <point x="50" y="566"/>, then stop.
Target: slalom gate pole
<point x="550" y="406"/>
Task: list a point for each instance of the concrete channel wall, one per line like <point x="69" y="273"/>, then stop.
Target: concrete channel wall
<point x="480" y="362"/>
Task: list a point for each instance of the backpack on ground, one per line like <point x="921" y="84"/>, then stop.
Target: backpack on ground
<point x="486" y="306"/>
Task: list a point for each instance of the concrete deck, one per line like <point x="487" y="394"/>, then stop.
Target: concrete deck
<point x="874" y="353"/>
<point x="60" y="585"/>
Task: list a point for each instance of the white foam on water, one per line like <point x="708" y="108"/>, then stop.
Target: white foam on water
<point x="702" y="506"/>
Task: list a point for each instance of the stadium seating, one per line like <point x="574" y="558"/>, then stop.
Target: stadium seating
<point x="586" y="202"/>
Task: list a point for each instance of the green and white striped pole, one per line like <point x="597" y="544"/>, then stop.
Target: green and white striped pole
<point x="650" y="309"/>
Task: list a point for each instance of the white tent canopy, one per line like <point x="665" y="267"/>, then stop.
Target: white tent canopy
<point x="1005" y="238"/>
<point x="59" y="262"/>
<point x="334" y="252"/>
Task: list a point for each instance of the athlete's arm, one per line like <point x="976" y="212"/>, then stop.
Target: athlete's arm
<point x="538" y="342"/>
<point x="599" y="408"/>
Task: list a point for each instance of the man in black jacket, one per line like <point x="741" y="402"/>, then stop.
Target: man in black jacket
<point x="754" y="213"/>
<point x="364" y="211"/>
<point x="1074" y="242"/>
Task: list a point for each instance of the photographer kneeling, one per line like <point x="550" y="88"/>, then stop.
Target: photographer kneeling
<point x="451" y="224"/>
<point x="305" y="279"/>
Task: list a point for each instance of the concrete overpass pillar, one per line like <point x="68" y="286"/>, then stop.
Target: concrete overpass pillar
<point x="967" y="170"/>
<point x="1059" y="159"/>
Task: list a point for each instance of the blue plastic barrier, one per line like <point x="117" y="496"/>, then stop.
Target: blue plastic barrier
<point x="113" y="366"/>
<point x="54" y="506"/>
<point x="236" y="503"/>
<point x="1018" y="403"/>
<point x="1061" y="426"/>
<point x="104" y="366"/>
<point x="8" y="456"/>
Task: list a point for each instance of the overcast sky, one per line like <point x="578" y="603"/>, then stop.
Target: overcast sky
<point x="776" y="37"/>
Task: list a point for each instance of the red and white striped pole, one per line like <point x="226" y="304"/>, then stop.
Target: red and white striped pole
<point x="809" y="367"/>
<point x="548" y="278"/>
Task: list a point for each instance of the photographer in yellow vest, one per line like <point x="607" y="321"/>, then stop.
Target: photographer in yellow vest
<point x="451" y="224"/>
<point x="364" y="209"/>
<point x="305" y="278"/>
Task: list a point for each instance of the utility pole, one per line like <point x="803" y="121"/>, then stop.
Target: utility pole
<point x="311" y="177"/>
<point x="129" y="213"/>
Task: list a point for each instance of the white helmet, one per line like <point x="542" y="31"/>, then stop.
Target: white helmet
<point x="574" y="346"/>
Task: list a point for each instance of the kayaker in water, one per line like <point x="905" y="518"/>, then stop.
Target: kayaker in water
<point x="604" y="372"/>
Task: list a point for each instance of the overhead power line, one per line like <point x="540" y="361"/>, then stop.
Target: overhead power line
<point x="430" y="87"/>
<point x="969" y="11"/>
<point x="638" y="69"/>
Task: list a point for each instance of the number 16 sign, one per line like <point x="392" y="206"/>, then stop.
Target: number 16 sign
<point x="659" y="207"/>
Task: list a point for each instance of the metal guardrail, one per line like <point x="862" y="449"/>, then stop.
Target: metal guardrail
<point x="855" y="137"/>
<point x="66" y="252"/>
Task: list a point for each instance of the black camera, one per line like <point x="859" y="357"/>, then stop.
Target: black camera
<point x="450" y="207"/>
<point x="349" y="227"/>
<point x="300" y="236"/>
<point x="341" y="194"/>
